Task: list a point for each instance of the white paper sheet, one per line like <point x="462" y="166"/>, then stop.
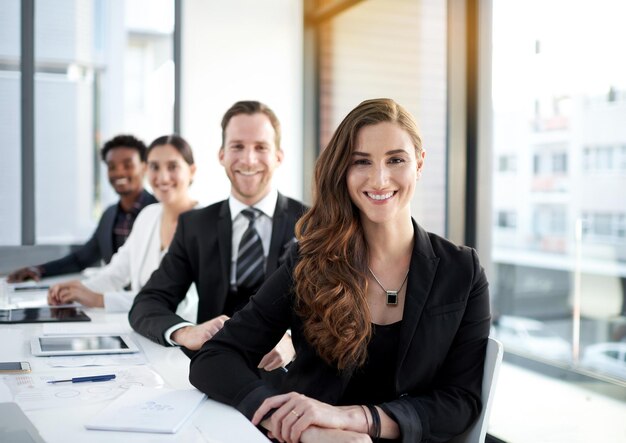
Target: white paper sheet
<point x="77" y="361"/>
<point x="28" y="299"/>
<point x="87" y="328"/>
<point x="31" y="299"/>
<point x="142" y="409"/>
<point x="32" y="391"/>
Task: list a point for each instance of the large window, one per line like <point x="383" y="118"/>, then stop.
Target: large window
<point x="394" y="49"/>
<point x="559" y="93"/>
<point x="10" y="155"/>
<point x="101" y="68"/>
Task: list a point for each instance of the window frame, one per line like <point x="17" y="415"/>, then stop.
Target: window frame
<point x="27" y="114"/>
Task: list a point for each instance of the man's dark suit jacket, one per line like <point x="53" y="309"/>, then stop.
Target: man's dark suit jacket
<point x="441" y="349"/>
<point x="98" y="247"/>
<point x="200" y="253"/>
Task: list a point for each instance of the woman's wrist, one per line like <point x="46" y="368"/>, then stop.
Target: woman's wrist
<point x="356" y="419"/>
<point x="367" y="419"/>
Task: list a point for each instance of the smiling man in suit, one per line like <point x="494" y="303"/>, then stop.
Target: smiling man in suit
<point x="229" y="248"/>
<point x="125" y="157"/>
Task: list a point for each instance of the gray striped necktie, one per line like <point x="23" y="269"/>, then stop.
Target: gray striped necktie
<point x="250" y="258"/>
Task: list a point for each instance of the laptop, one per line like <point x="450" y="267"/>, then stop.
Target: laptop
<point x="15" y="427"/>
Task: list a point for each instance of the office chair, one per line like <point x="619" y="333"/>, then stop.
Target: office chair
<point x="493" y="358"/>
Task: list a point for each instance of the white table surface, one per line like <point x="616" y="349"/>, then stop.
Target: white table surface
<point x="212" y="422"/>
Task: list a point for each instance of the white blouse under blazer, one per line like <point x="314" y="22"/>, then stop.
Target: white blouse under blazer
<point x="134" y="263"/>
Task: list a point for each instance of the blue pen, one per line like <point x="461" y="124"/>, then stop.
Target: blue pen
<point x="32" y="288"/>
<point x="106" y="377"/>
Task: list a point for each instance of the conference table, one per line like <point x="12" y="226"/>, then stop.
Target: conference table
<point x="63" y="423"/>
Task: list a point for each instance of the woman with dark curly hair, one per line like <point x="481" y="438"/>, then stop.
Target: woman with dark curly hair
<point x="389" y="322"/>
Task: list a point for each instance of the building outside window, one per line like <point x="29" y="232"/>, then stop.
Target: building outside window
<point x="507" y="163"/>
<point x="564" y="266"/>
<point x="507" y="219"/>
<point x="559" y="163"/>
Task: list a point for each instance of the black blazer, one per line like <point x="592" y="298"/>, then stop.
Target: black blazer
<point x="441" y="352"/>
<point x="98" y="247"/>
<point x="200" y="253"/>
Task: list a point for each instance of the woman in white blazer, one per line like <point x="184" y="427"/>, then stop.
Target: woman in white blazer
<point x="170" y="172"/>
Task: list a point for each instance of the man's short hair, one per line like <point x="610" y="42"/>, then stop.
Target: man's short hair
<point x="250" y="107"/>
<point x="124" y="141"/>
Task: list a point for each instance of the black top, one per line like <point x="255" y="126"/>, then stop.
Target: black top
<point x="124" y="220"/>
<point x="374" y="382"/>
<point x="438" y="367"/>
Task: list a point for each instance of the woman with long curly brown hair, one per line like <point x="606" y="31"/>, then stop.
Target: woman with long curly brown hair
<point x="389" y="322"/>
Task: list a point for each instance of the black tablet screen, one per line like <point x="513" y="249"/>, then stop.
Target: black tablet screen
<point x="39" y="315"/>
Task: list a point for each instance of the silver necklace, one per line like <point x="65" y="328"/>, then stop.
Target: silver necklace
<point x="392" y="296"/>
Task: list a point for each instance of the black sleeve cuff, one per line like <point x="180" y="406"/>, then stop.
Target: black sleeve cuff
<point x="407" y="418"/>
<point x="251" y="402"/>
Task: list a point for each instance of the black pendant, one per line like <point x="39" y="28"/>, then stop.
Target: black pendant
<point x="392" y="297"/>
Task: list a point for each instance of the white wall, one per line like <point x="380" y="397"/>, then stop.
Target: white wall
<point x="397" y="49"/>
<point x="241" y="50"/>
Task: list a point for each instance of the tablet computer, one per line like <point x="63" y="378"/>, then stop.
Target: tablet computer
<point x="82" y="345"/>
<point x="42" y="315"/>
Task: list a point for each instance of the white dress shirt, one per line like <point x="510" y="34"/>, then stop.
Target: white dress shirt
<point x="263" y="225"/>
<point x="134" y="263"/>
